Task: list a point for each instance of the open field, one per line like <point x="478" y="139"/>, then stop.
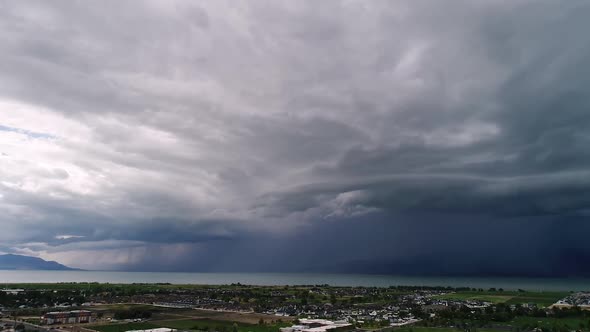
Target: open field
<point x="32" y="320"/>
<point x="439" y="329"/>
<point x="248" y="318"/>
<point x="193" y="324"/>
<point x="190" y="324"/>
<point x="164" y="313"/>
<point x="128" y="306"/>
<point x="191" y="319"/>
<point x="217" y="325"/>
<point x="122" y="327"/>
<point x="542" y="299"/>
<point x="156" y="312"/>
<point x="571" y="323"/>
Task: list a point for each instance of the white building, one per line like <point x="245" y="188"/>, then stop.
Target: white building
<point x="160" y="329"/>
<point x="316" y="325"/>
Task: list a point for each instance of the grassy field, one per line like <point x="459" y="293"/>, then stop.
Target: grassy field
<point x="35" y="321"/>
<point x="439" y="329"/>
<point x="542" y="299"/>
<point x="131" y="306"/>
<point x="248" y="318"/>
<point x="123" y="327"/>
<point x="523" y="323"/>
<point x="572" y="323"/>
<point x="216" y="325"/>
<point x="162" y="313"/>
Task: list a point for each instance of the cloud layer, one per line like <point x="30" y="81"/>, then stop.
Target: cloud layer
<point x="206" y="134"/>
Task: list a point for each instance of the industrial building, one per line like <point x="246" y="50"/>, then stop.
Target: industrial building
<point x="160" y="329"/>
<point x="317" y="325"/>
<point x="67" y="317"/>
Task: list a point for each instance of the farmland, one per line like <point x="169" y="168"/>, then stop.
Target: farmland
<point x="218" y="325"/>
<point x="193" y="324"/>
<point x="542" y="299"/>
<point x="123" y="327"/>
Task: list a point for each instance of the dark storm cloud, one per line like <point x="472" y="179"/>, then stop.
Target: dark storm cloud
<point x="182" y="135"/>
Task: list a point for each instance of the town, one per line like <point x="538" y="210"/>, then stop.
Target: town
<point x="89" y="307"/>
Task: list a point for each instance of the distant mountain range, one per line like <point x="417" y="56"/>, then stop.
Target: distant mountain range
<point x="20" y="262"/>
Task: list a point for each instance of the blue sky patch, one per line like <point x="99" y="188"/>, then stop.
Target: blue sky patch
<point x="31" y="134"/>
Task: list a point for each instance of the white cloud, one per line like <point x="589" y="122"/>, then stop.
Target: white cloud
<point x="68" y="236"/>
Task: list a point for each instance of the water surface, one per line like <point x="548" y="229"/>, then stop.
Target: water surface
<point x="271" y="279"/>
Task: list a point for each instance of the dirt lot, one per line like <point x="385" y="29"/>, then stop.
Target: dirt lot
<point x="163" y="314"/>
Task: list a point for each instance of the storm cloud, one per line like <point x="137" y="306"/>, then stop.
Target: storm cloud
<point x="383" y="136"/>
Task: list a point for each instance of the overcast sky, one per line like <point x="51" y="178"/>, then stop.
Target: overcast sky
<point x="379" y="136"/>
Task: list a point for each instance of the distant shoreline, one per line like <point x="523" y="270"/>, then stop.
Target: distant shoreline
<point x="280" y="279"/>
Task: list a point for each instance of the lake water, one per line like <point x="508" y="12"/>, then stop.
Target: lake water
<point x="537" y="284"/>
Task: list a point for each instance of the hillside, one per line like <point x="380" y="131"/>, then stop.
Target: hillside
<point x="20" y="262"/>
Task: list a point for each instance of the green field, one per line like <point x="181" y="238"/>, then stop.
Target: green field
<point x="425" y="329"/>
<point x="131" y="306"/>
<point x="216" y="325"/>
<point x="123" y="327"/>
<point x="193" y="324"/>
<point x="438" y="329"/>
<point x="542" y="299"/>
<point x="35" y="321"/>
<point x="571" y="323"/>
